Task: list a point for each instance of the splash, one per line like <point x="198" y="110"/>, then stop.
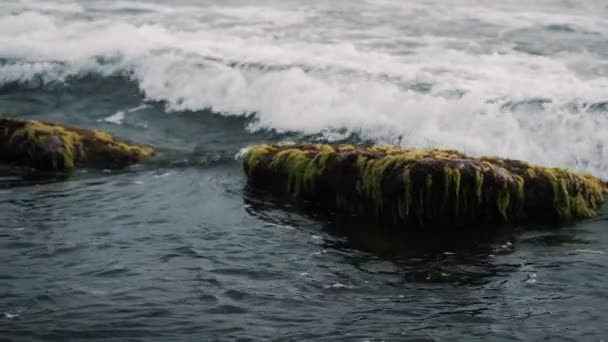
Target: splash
<point x="470" y="82"/>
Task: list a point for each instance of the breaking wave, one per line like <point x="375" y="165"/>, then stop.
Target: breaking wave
<point x="483" y="95"/>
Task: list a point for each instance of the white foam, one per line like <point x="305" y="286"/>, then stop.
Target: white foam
<point x="116" y="118"/>
<point x="589" y="251"/>
<point x="308" y="70"/>
<point x="241" y="153"/>
<point x="338" y="286"/>
<point x="42" y="6"/>
<point x="260" y="15"/>
<point x="532" y="279"/>
<point x="130" y="5"/>
<point x="10" y="315"/>
<point x="137" y="108"/>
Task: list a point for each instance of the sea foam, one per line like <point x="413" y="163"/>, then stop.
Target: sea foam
<point x="431" y="82"/>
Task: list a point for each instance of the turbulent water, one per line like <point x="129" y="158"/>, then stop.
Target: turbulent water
<point x="181" y="249"/>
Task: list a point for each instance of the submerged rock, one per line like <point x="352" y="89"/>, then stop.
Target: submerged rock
<point x="47" y="146"/>
<point x="421" y="188"/>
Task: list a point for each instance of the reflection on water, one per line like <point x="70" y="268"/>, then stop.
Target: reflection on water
<point x="435" y="255"/>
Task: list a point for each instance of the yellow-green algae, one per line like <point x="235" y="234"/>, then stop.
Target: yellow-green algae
<point x="33" y="143"/>
<point x="29" y="139"/>
<point x="574" y="195"/>
<point x="108" y="141"/>
<point x="252" y="157"/>
<point x="301" y="168"/>
<point x="418" y="185"/>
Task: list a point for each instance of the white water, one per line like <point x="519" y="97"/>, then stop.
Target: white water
<point x="515" y="80"/>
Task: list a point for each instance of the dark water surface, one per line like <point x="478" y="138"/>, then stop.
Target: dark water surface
<point x="181" y="249"/>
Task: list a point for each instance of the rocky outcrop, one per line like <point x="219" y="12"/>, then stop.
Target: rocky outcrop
<point x="421" y="188"/>
<point x="47" y="146"/>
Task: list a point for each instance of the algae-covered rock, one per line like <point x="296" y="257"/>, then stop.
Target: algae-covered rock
<point x="424" y="187"/>
<point x="49" y="146"/>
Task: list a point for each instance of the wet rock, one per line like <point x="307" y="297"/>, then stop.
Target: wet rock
<point x="423" y="188"/>
<point x="47" y="146"/>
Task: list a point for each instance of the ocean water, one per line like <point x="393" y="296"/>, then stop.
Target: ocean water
<point x="181" y="249"/>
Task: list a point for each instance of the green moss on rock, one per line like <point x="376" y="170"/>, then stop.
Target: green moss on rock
<point x="421" y="187"/>
<point x="53" y="147"/>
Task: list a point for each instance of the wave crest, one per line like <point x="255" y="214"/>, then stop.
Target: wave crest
<point x="438" y="94"/>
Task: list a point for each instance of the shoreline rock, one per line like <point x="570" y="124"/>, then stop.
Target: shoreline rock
<point x="47" y="146"/>
<point x="420" y="188"/>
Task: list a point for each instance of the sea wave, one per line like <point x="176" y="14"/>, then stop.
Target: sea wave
<point x="480" y="95"/>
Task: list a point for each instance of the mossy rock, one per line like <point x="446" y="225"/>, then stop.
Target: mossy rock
<point x="47" y="146"/>
<point x="420" y="188"/>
